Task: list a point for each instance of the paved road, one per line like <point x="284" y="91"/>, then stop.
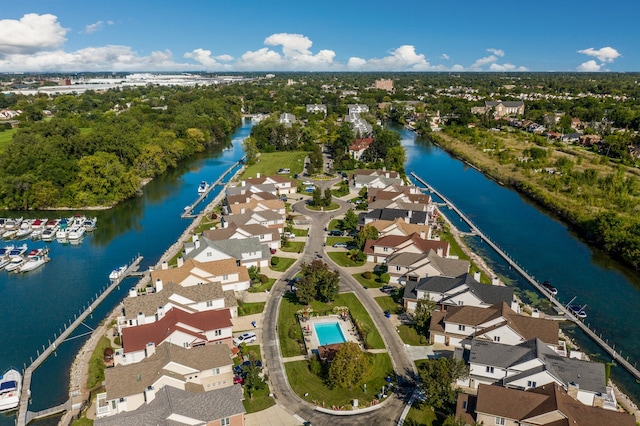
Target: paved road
<point x="390" y="411"/>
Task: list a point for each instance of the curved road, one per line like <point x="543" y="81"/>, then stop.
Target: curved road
<point x="390" y="411"/>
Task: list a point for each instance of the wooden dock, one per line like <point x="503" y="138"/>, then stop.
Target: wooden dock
<point x="188" y="211"/>
<point x="24" y="416"/>
<point x="559" y="306"/>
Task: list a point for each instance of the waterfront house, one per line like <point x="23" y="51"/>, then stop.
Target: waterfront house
<point x="458" y="325"/>
<point x="531" y="364"/>
<point x="548" y="404"/>
<point x="375" y="179"/>
<point x="267" y="236"/>
<point x="276" y="206"/>
<point x="357" y="108"/>
<point x="266" y="218"/>
<point x="287" y="119"/>
<point x="176" y="406"/>
<point x="359" y="125"/>
<point x="199" y="369"/>
<point x="190" y="272"/>
<point x="379" y="250"/>
<point x="247" y="252"/>
<point x="176" y="327"/>
<point x="248" y="196"/>
<point x="283" y="184"/>
<point x="245" y="188"/>
<point x="399" y="226"/>
<point x="463" y="290"/>
<point x="500" y="109"/>
<point x="149" y="308"/>
<point x="415" y="217"/>
<point x="358" y="147"/>
<point x="405" y="266"/>
<point x="398" y="196"/>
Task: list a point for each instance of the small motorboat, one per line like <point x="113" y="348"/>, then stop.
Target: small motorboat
<point x="90" y="223"/>
<point x="10" y="386"/>
<point x="551" y="289"/>
<point x="578" y="311"/>
<point x="202" y="188"/>
<point x="117" y="273"/>
<point x="35" y="259"/>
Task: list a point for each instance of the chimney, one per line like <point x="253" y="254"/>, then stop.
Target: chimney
<point x="197" y="244"/>
<point x="180" y="261"/>
<point x="535" y="313"/>
<point x="476" y="276"/>
<point x="572" y="390"/>
<point x="158" y="285"/>
<point x="140" y="319"/>
<point x="160" y="312"/>
<point x="423" y="235"/>
<point x="243" y="183"/>
<point x="133" y="292"/>
<point x="165" y="265"/>
<point x="257" y="175"/>
<point x="495" y="281"/>
<point x="242" y="210"/>
<point x="384" y="168"/>
<point x="150" y="349"/>
<point x="598" y="400"/>
<point x="149" y="394"/>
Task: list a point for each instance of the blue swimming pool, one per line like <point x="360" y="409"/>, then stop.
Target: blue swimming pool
<point x="329" y="332"/>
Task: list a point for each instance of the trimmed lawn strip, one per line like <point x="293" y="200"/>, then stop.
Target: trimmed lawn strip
<point x="332" y="240"/>
<point x="261" y="401"/>
<point x="259" y="288"/>
<point x="294" y="247"/>
<point x="423" y="416"/>
<point x="374" y="282"/>
<point x="303" y="381"/>
<point x="340" y="257"/>
<point x="245" y="309"/>
<point x="96" y="364"/>
<point x="334" y="224"/>
<point x="270" y="162"/>
<point x="300" y="232"/>
<point x="358" y="312"/>
<point x="330" y="207"/>
<point x="387" y="304"/>
<point x="410" y="336"/>
<point x="253" y="350"/>
<point x="283" y="264"/>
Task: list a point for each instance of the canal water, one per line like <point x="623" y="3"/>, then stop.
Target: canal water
<point x="542" y="246"/>
<point x="37" y="304"/>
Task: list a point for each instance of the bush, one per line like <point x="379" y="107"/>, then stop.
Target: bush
<point x="275" y="260"/>
<point x="385" y="278"/>
<point x="264" y="279"/>
<point x="367" y="275"/>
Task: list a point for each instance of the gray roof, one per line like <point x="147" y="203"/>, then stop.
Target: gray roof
<point x="508" y="104"/>
<point x="366" y="180"/>
<point x="260" y="187"/>
<point x="489" y="294"/>
<point x="587" y="375"/>
<point x="233" y="248"/>
<point x="417" y="217"/>
<point x="205" y="407"/>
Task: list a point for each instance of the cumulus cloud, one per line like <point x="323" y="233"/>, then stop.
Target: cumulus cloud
<point x="92" y="28"/>
<point x="445" y="56"/>
<point x="604" y="54"/>
<point x="589" y="66"/>
<point x="404" y="58"/>
<point x="479" y="63"/>
<point x="32" y="33"/>
<point x="296" y="55"/>
<point x="204" y="57"/>
<point x="497" y="52"/>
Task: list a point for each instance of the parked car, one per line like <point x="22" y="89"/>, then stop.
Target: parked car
<point x="289" y="235"/>
<point x="343" y="245"/>
<point x="238" y="380"/>
<point x="335" y="233"/>
<point x="272" y="251"/>
<point x="248" y="337"/>
<point x="386" y="288"/>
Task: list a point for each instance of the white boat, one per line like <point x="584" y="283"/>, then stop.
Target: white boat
<point x="15" y="257"/>
<point x="117" y="273"/>
<point x="90" y="224"/>
<point x="75" y="233"/>
<point x="49" y="234"/>
<point x="24" y="230"/>
<point x="10" y="386"/>
<point x="11" y="227"/>
<point x="38" y="226"/>
<point x="15" y="263"/>
<point x="202" y="188"/>
<point x="4" y="255"/>
<point x="35" y="259"/>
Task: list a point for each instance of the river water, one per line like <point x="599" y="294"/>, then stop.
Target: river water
<point x="543" y="246"/>
<point x="37" y="304"/>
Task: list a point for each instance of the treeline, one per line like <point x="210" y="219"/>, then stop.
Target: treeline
<point x="97" y="148"/>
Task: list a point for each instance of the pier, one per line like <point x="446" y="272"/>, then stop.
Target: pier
<point x="562" y="309"/>
<point x="25" y="416"/>
<point x="188" y="211"/>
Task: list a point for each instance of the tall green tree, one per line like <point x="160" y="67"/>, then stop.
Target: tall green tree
<point x="350" y="220"/>
<point x="349" y="367"/>
<point x="367" y="232"/>
<point x="438" y="377"/>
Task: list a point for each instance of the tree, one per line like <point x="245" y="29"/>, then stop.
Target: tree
<point x="437" y="377"/>
<point x="367" y="232"/>
<point x="326" y="201"/>
<point x="251" y="150"/>
<point x="317" y="282"/>
<point x="349" y="367"/>
<point x="422" y="314"/>
<point x="350" y="220"/>
<point x="317" y="197"/>
<point x="252" y="380"/>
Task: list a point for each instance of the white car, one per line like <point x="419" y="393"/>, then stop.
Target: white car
<point x="249" y="337"/>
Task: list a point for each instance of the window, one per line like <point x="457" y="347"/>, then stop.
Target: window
<point x="209" y="303"/>
<point x="225" y="277"/>
<point x="531" y="384"/>
<point x="398" y="268"/>
<point x="215" y="371"/>
<point x="460" y="303"/>
<point x="217" y="333"/>
<point x="209" y="254"/>
<point x="461" y="327"/>
<point x="226" y="421"/>
<point x="490" y="370"/>
<point x="500" y="421"/>
<point x="385" y="248"/>
<point x="262" y="237"/>
<point x="496" y="338"/>
<point x="185" y="344"/>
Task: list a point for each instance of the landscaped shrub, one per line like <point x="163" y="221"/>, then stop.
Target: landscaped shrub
<point x="385" y="278"/>
<point x="275" y="260"/>
<point x="264" y="279"/>
<point x="367" y="275"/>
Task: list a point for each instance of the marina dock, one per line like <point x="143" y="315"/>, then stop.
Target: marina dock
<point x="25" y="416"/>
<point x="188" y="211"/>
<point x="560" y="308"/>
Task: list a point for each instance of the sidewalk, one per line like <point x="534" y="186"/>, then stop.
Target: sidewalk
<point x="272" y="416"/>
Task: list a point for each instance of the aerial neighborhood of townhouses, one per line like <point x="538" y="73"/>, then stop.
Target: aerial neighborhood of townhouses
<point x="188" y="349"/>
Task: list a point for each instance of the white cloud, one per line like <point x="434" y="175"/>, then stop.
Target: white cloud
<point x="32" y="33"/>
<point x="497" y="52"/>
<point x="445" y="56"/>
<point x="204" y="58"/>
<point x="604" y="54"/>
<point x="404" y="58"/>
<point x="354" y="63"/>
<point x="479" y="63"/>
<point x="589" y="66"/>
<point x="92" y="28"/>
<point x="506" y="67"/>
<point x="296" y="55"/>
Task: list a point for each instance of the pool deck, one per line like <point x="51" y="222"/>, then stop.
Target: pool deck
<point x="311" y="338"/>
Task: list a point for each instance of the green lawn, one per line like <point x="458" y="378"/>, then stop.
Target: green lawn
<point x="303" y="381"/>
<point x="300" y="232"/>
<point x="245" y="309"/>
<point x="261" y="401"/>
<point x="342" y="259"/>
<point x="289" y="331"/>
<point x="332" y="240"/>
<point x="96" y="364"/>
<point x="374" y="282"/>
<point x="253" y="351"/>
<point x="423" y="416"/>
<point x="410" y="336"/>
<point x="334" y="224"/>
<point x="294" y="247"/>
<point x="260" y="287"/>
<point x="284" y="263"/>
<point x="332" y="206"/>
<point x="388" y="304"/>
<point x="6" y="137"/>
<point x="270" y="162"/>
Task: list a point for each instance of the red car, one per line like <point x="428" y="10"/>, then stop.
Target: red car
<point x="273" y="251"/>
<point x="238" y="379"/>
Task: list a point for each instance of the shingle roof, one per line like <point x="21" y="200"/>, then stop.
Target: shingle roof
<point x="202" y="408"/>
<point x="126" y="380"/>
<point x="489" y="294"/>
<point x="416" y="217"/>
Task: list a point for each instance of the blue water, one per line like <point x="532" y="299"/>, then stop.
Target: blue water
<point x="38" y="304"/>
<point x="329" y="333"/>
<point x="543" y="246"/>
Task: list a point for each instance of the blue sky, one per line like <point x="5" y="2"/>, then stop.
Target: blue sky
<point x="329" y="35"/>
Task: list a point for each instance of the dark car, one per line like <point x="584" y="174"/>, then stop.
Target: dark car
<point x="335" y="233"/>
<point x="386" y="288"/>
